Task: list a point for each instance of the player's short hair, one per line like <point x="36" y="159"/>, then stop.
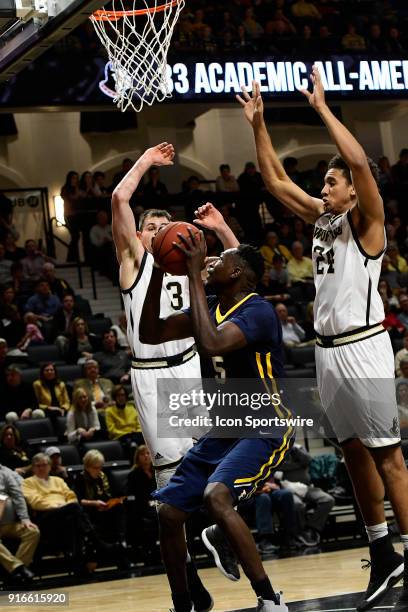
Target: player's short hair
<point x="253" y="261"/>
<point x="338" y="163"/>
<point x="152" y="212"/>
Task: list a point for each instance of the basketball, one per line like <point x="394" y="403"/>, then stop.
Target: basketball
<point x="169" y="258"/>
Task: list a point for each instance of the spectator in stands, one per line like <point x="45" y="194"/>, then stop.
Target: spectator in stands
<point x="395" y="44"/>
<point x="11" y="323"/>
<point x="403" y="377"/>
<point x="314" y="506"/>
<point x="280" y="25"/>
<point x="391" y="322"/>
<point x="17" y="399"/>
<point x="33" y="335"/>
<point x="304" y="9"/>
<point x="403" y="310"/>
<point x="43" y="303"/>
<point x="391" y="276"/>
<point x="63" y="321"/>
<point x="278" y="277"/>
<point x="57" y="513"/>
<point x="232" y="222"/>
<point x="401" y="354"/>
<point x="98" y="389"/>
<point x="397" y="263"/>
<point x="155" y="191"/>
<point x="253" y="29"/>
<point x="113" y="361"/>
<point x="86" y="186"/>
<point x="252" y="194"/>
<point x="22" y="288"/>
<point x="376" y="41"/>
<point x="12" y="453"/>
<point x="299" y="231"/>
<point x="56" y="467"/>
<point x="5" y="359"/>
<point x="300" y="270"/>
<point x="306" y="44"/>
<point x="226" y="182"/>
<point x="93" y="491"/>
<point x="292" y="333"/>
<point x="15" y="524"/>
<point x="71" y="194"/>
<point x="400" y="174"/>
<point x="386" y="179"/>
<point x="386" y="293"/>
<point x="33" y="262"/>
<point x="121" y="331"/>
<point x="250" y="180"/>
<point x="327" y="43"/>
<point x="13" y="252"/>
<point x="141" y="484"/>
<point x="5" y="266"/>
<point x="271" y="247"/>
<point x="51" y="393"/>
<point x="58" y="286"/>
<point x="271" y="499"/>
<point x="127" y="164"/>
<point x="81" y="344"/>
<point x="353" y="41"/>
<point x="122" y="421"/>
<point x="102" y="245"/>
<point x="82" y="419"/>
<point x="99" y="188"/>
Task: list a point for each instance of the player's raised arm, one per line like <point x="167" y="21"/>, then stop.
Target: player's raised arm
<point x="129" y="249"/>
<point x="369" y="199"/>
<point x="153" y="329"/>
<point x="275" y="178"/>
<point x="211" y="218"/>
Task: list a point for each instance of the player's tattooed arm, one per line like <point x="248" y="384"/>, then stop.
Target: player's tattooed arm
<point x="210" y="339"/>
<point x="211" y="218"/>
<point x="128" y="246"/>
<point x="370" y="203"/>
<point x="273" y="173"/>
<point x="153" y="329"/>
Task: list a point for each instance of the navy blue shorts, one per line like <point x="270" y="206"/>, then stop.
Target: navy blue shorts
<point x="241" y="464"/>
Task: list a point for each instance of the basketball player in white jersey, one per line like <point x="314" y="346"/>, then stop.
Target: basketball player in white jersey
<point x="176" y="359"/>
<point x="352" y="347"/>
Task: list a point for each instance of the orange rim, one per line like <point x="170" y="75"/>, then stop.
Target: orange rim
<point x="103" y="15"/>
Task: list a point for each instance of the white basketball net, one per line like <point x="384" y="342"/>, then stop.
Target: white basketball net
<point x="137" y="35"/>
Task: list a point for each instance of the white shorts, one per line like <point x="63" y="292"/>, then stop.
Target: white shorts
<point x="144" y="386"/>
<point x="357" y="390"/>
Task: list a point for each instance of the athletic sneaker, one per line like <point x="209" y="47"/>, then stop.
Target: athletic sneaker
<point x="402" y="601"/>
<point x="266" y="548"/>
<point x="387" y="568"/>
<point x="265" y="605"/>
<point x="203" y="602"/>
<point x="308" y="538"/>
<point x="220" y="549"/>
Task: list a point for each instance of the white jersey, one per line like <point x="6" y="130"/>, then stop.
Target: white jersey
<point x="175" y="296"/>
<point x="346" y="278"/>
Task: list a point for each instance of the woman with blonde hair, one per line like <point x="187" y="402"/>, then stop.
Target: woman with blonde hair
<point x="94" y="494"/>
<point x="82" y="420"/>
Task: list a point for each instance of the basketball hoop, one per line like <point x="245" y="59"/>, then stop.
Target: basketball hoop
<point x="137" y="41"/>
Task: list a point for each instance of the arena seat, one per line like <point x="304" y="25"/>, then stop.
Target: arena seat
<point x="42" y="353"/>
<point x="36" y="432"/>
<point x="112" y="451"/>
<point x="70" y="455"/>
<point x="69" y="372"/>
<point x="98" y="326"/>
<point x="302" y="355"/>
<point x="29" y="375"/>
<point x="60" y="426"/>
<point x="118" y="481"/>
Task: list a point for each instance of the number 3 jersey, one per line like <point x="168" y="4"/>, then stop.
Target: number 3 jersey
<point x="174" y="297"/>
<point x="346" y="278"/>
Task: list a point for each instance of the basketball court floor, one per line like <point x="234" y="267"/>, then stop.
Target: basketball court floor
<point x="326" y="582"/>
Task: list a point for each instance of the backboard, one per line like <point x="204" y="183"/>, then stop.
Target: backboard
<point x="30" y="27"/>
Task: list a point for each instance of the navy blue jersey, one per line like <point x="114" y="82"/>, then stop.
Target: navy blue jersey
<point x="262" y="357"/>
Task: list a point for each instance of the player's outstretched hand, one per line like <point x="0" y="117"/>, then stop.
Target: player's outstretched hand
<point x="316" y="98"/>
<point x="195" y="250"/>
<point x="208" y="216"/>
<point x="160" y="155"/>
<point x="252" y="105"/>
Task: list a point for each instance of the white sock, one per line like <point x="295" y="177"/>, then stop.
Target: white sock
<point x="404" y="540"/>
<point x="374" y="532"/>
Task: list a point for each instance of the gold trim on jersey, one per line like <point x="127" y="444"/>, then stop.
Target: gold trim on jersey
<point x="332" y="341"/>
<point x="221" y="317"/>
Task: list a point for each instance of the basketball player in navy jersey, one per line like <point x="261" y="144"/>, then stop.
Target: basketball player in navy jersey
<point x="242" y="328"/>
<point x="351" y="344"/>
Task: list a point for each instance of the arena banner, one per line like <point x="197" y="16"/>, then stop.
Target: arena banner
<point x="56" y="80"/>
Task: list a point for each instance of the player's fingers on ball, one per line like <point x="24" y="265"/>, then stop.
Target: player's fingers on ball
<point x="183" y="239"/>
<point x="192" y="235"/>
<point x="180" y="247"/>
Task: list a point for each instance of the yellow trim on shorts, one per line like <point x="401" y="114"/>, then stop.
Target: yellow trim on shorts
<point x="221" y="317"/>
